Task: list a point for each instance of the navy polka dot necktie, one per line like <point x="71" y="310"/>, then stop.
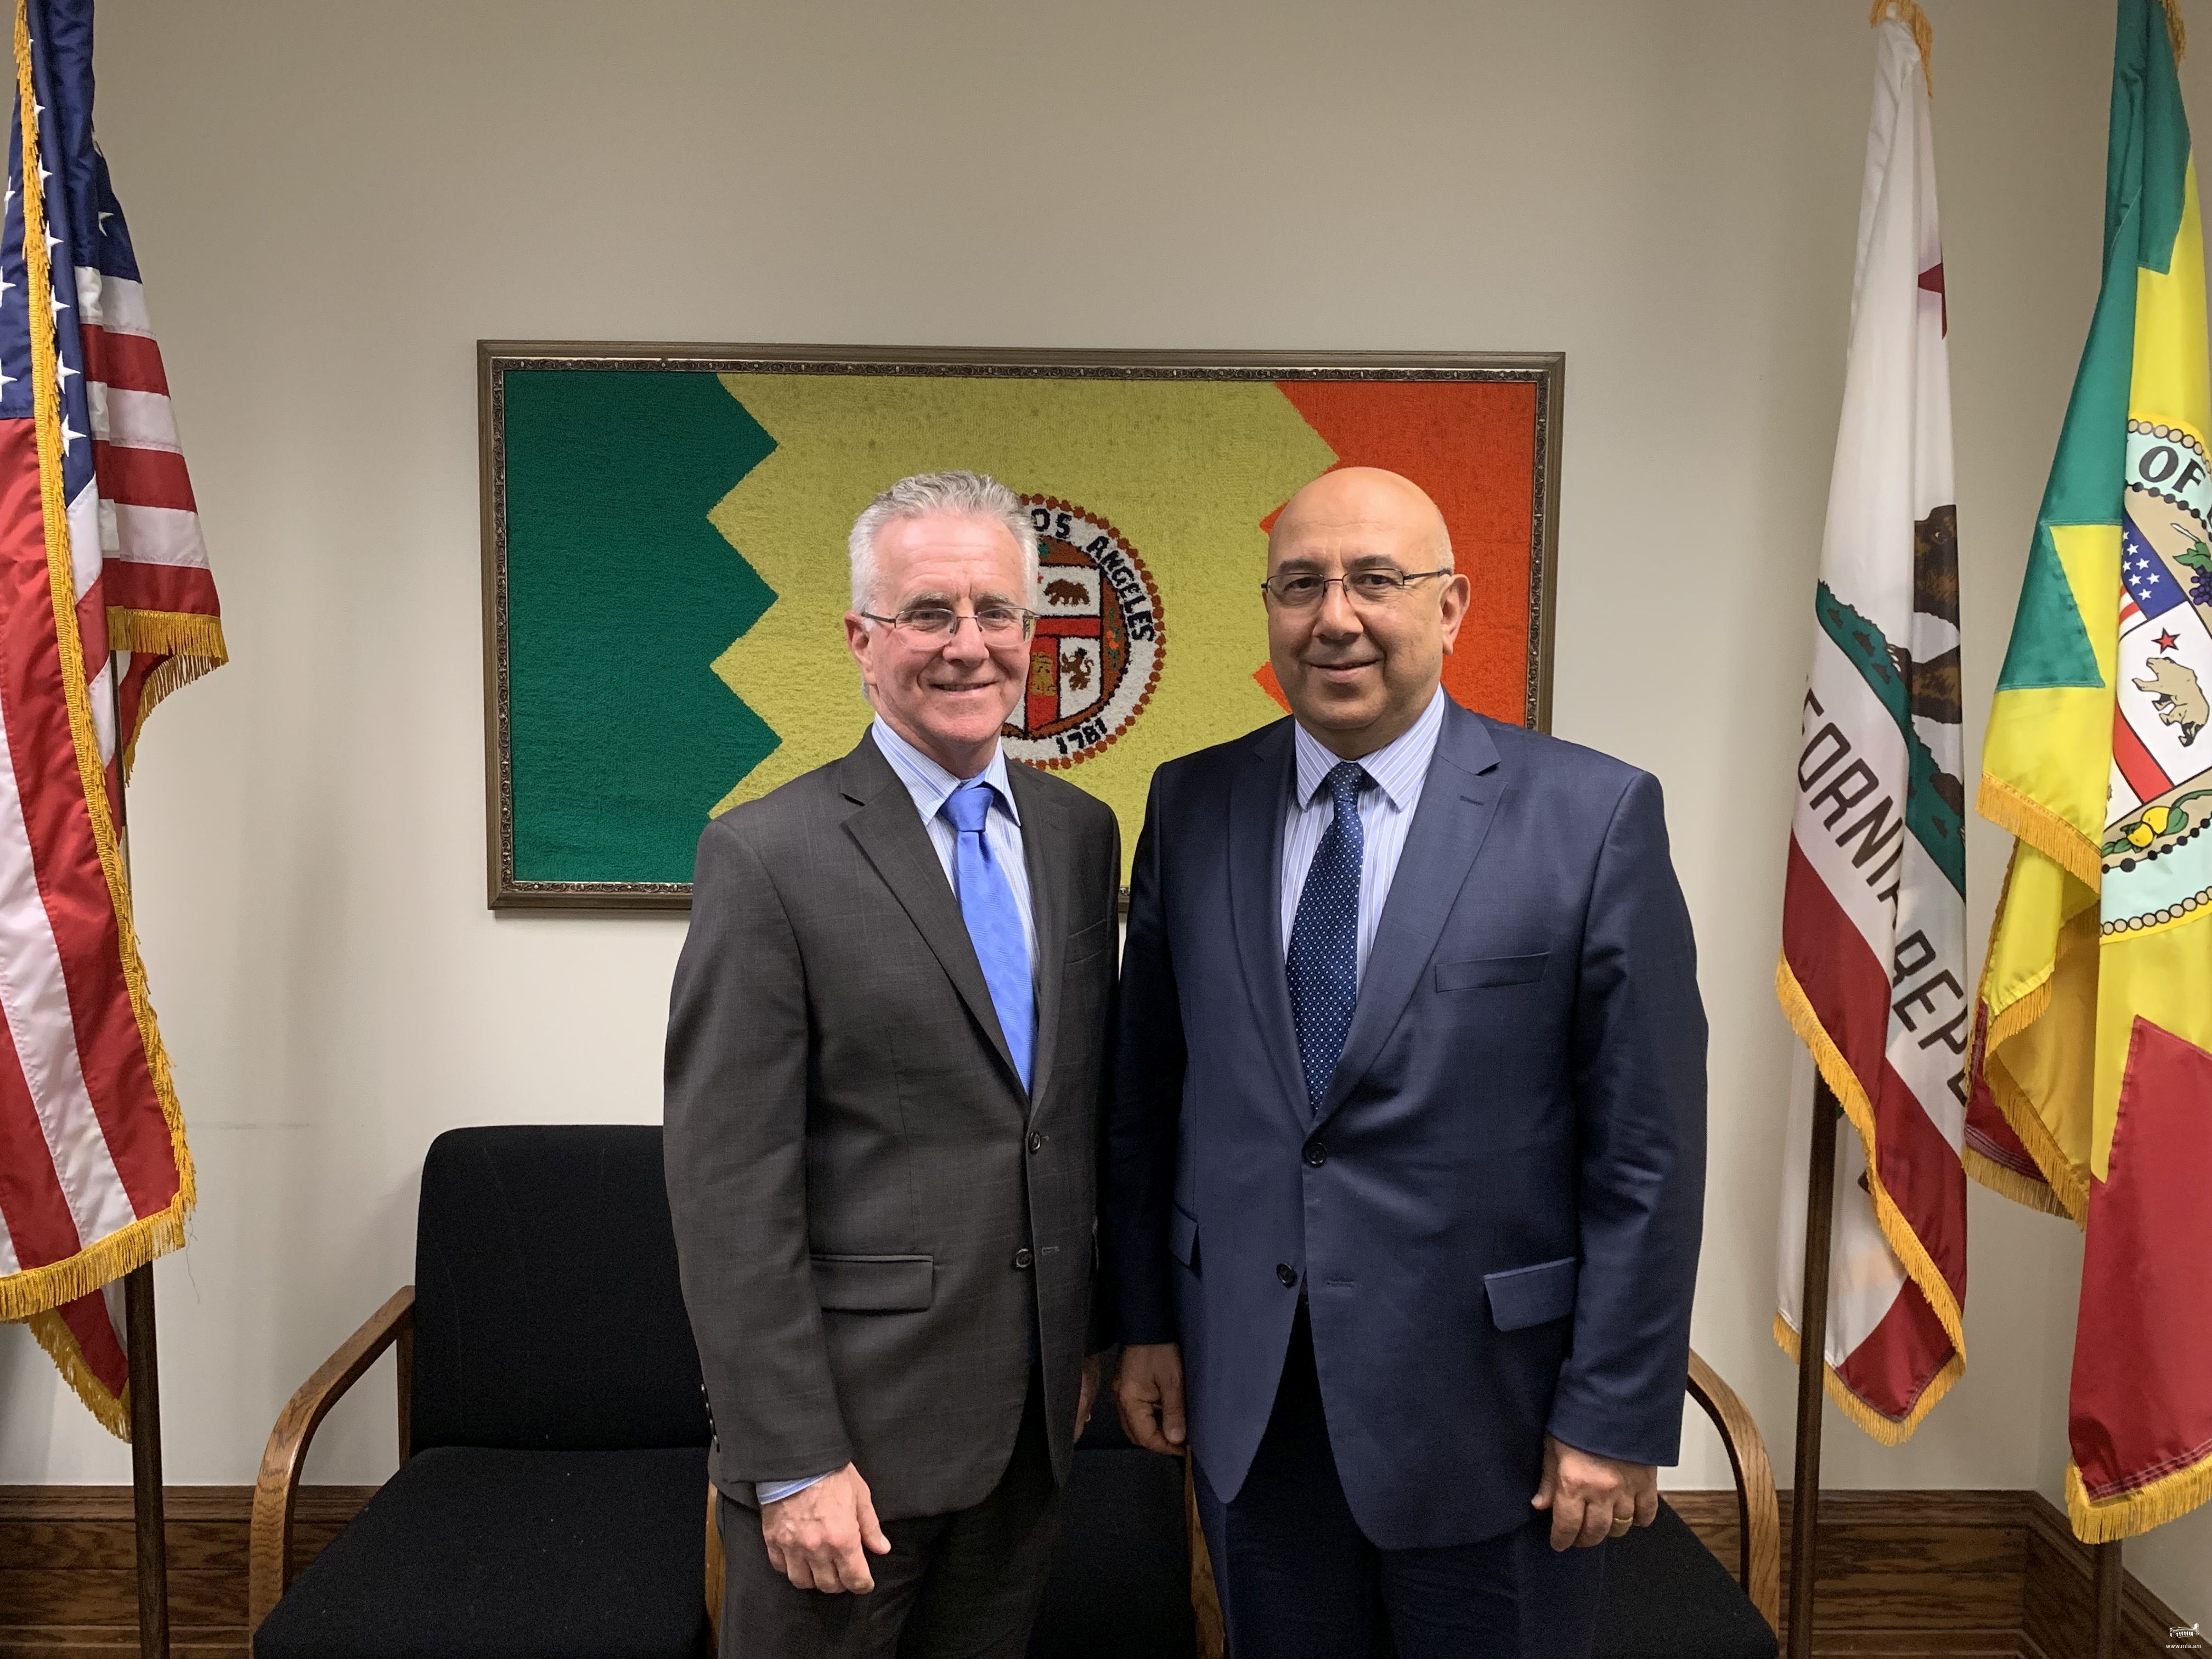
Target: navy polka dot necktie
<point x="1324" y="956"/>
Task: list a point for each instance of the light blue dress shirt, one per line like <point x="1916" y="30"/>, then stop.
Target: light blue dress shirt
<point x="929" y="784"/>
<point x="1398" y="770"/>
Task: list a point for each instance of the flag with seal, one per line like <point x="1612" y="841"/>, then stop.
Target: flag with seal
<point x="1873" y="973"/>
<point x="2093" y="1080"/>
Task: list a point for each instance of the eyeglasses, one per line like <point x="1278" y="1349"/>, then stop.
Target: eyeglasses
<point x="934" y="621"/>
<point x="1301" y="590"/>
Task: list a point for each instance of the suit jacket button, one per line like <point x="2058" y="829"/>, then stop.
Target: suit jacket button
<point x="1287" y="1274"/>
<point x="1023" y="1258"/>
<point x="1316" y="1154"/>
<point x="1036" y="1143"/>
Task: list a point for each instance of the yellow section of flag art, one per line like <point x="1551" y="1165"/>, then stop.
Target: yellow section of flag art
<point x="1183" y="473"/>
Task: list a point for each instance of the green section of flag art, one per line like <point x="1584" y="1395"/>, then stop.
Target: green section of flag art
<point x="620" y="596"/>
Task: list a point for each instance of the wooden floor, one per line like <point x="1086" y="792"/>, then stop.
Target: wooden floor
<point x="1903" y="1575"/>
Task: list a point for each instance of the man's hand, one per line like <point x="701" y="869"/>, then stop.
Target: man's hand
<point x="814" y="1537"/>
<point x="1593" y="1498"/>
<point x="1089" y="1396"/>
<point x="1149" y="1390"/>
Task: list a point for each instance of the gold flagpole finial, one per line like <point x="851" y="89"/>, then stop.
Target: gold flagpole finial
<point x="1908" y="12"/>
<point x="2176" y="30"/>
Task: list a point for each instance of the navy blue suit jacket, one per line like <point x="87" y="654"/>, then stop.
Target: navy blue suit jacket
<point x="1496" y="1212"/>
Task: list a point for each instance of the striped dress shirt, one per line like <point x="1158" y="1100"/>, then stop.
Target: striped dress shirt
<point x="1396" y="772"/>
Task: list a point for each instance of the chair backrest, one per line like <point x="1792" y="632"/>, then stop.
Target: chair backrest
<point x="548" y="1314"/>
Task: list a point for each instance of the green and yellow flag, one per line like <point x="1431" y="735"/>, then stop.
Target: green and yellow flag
<point x="675" y="575"/>
<point x="2093" y="1082"/>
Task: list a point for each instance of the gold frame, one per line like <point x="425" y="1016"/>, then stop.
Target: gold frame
<point x="1546" y="371"/>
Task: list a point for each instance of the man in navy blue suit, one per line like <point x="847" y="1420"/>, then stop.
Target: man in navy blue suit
<point x="1406" y="1170"/>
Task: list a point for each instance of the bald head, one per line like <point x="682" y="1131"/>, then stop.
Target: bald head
<point x="1357" y="504"/>
<point x="1362" y="606"/>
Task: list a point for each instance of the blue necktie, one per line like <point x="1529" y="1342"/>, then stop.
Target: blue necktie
<point x="994" y="925"/>
<point x="1324" y="956"/>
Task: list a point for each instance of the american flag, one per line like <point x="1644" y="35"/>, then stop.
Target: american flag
<point x="107" y="606"/>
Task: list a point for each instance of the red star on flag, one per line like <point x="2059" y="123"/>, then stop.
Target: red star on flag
<point x="2167" y="641"/>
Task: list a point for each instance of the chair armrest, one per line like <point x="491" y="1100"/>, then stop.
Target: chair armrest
<point x="1205" y="1595"/>
<point x="269" y="1550"/>
<point x="716" y="1564"/>
<point x="1759" y="1532"/>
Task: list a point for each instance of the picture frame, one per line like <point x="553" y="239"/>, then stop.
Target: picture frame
<point x="607" y="523"/>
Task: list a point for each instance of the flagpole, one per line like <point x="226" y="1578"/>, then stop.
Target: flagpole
<point x="147" y="1504"/>
<point x="2112" y="1580"/>
<point x="146" y="1495"/>
<point x="1812" y="1360"/>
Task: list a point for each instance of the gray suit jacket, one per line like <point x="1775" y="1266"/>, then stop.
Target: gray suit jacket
<point x="872" y="1217"/>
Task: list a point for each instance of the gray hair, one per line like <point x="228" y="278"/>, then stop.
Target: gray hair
<point x="972" y="495"/>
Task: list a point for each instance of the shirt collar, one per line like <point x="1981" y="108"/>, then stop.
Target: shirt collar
<point x="1396" y="768"/>
<point x="930" y="784"/>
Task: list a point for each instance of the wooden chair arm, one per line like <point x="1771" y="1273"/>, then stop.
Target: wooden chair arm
<point x="269" y="1550"/>
<point x="1758" y="1567"/>
<point x="716" y="1564"/>
<point x="1205" y="1595"/>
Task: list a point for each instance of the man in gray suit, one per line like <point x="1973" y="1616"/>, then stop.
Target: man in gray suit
<point x="887" y="1055"/>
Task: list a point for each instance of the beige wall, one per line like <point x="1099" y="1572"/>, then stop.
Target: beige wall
<point x="333" y="202"/>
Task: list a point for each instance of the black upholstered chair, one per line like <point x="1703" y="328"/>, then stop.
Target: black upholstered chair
<point x="1122" y="1584"/>
<point x="552" y="1431"/>
<point x="1666" y="1596"/>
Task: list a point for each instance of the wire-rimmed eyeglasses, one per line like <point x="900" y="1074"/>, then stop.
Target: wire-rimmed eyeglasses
<point x="936" y="622"/>
<point x="1301" y="590"/>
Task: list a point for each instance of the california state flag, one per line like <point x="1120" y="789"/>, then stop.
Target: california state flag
<point x="1873" y="974"/>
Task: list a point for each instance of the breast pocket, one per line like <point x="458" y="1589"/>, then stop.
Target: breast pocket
<point x="1479" y="972"/>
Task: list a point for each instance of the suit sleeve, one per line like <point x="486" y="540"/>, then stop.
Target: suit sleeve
<point x="735" y="1139"/>
<point x="1147" y="1103"/>
<point x="1639" y="1081"/>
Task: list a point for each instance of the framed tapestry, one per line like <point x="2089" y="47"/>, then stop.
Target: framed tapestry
<point x="664" y="570"/>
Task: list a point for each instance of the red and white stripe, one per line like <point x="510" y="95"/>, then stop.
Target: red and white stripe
<point x="134" y="533"/>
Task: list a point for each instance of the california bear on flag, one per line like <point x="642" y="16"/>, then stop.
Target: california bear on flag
<point x="1873" y="974"/>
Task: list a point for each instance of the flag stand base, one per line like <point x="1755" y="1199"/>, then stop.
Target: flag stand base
<point x="1812" y="1364"/>
<point x="153" y="1546"/>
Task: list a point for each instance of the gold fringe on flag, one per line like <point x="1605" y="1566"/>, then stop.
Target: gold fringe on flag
<point x="2032" y="822"/>
<point x="2007" y="1183"/>
<point x="190" y="644"/>
<point x="1896" y="1230"/>
<point x="128" y="1247"/>
<point x="2167" y="1498"/>
<point x="54" y="1336"/>
<point x="1888" y="1430"/>
<point x="1924" y="34"/>
<point x="2176" y="30"/>
<point x="167" y="634"/>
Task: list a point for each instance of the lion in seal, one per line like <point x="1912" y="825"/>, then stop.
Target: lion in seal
<point x="2177" y="694"/>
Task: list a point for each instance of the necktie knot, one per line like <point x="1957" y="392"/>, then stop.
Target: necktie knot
<point x="1344" y="781"/>
<point x="967" y="806"/>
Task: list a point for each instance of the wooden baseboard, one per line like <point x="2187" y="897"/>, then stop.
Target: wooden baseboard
<point x="1903" y="1575"/>
<point x="68" y="1580"/>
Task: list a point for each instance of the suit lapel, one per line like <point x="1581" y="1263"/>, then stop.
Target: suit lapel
<point x="1044" y="845"/>
<point x="1259" y="795"/>
<point x="891" y="834"/>
<point x="1457" y="796"/>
